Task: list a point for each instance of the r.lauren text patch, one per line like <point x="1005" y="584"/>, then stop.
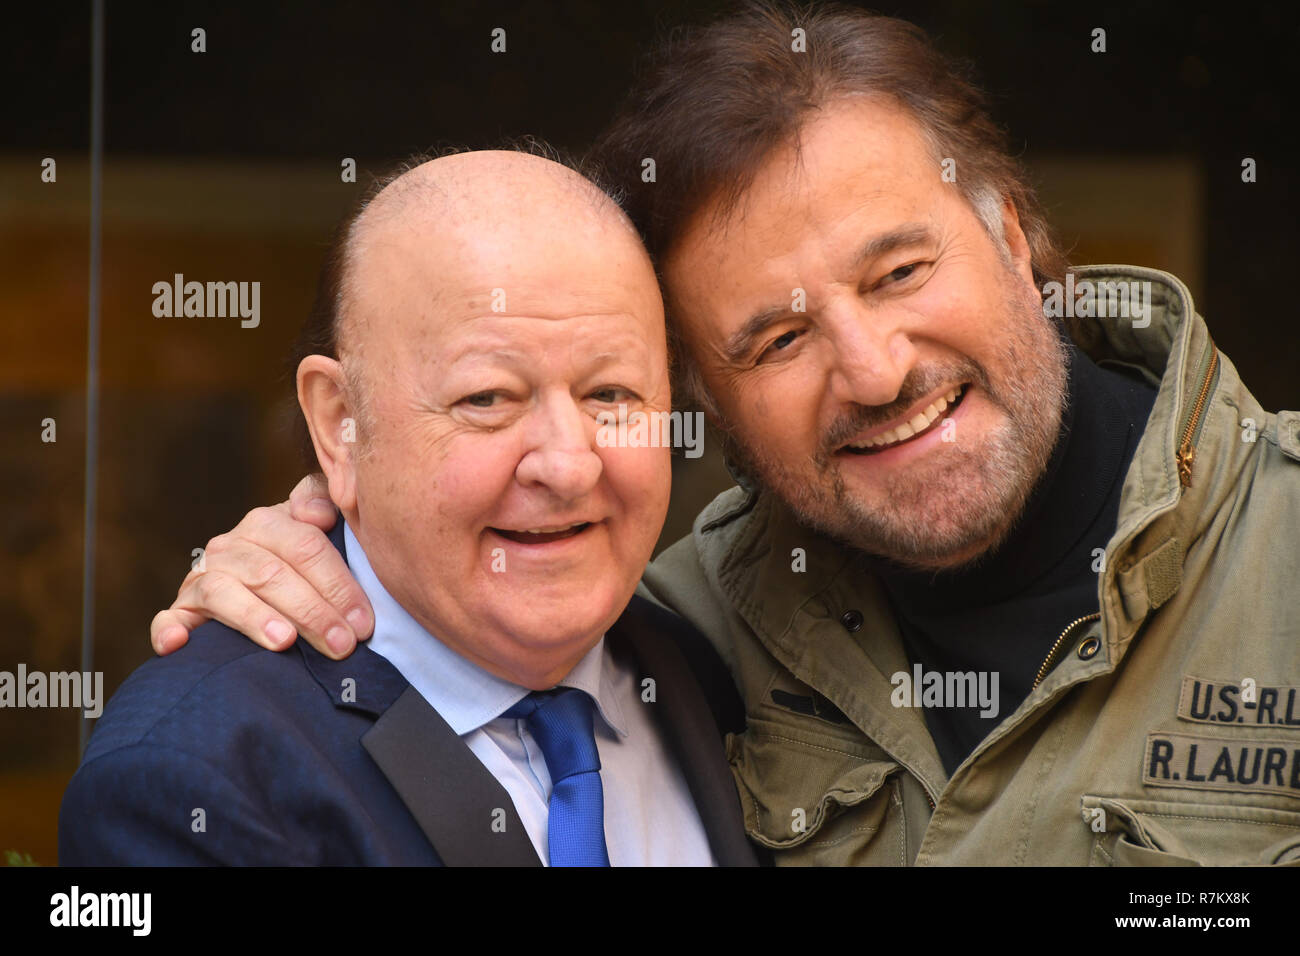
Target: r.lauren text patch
<point x="1205" y="701"/>
<point x="1213" y="763"/>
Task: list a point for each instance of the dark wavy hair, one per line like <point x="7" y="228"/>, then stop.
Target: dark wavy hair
<point x="713" y="101"/>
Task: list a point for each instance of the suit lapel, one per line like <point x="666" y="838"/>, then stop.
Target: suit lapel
<point x="449" y="792"/>
<point x="451" y="795"/>
<point x="683" y="715"/>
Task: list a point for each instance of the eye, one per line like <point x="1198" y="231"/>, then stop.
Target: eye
<point x="612" y="394"/>
<point x="481" y="399"/>
<point x="780" y="343"/>
<point x="900" y="274"/>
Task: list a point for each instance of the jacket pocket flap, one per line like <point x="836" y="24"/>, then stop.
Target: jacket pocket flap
<point x="1137" y="832"/>
<point x="792" y="779"/>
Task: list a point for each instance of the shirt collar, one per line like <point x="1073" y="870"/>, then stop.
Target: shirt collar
<point x="464" y="694"/>
<point x="596" y="674"/>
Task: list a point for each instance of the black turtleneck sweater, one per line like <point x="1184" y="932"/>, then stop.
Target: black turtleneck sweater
<point x="1004" y="614"/>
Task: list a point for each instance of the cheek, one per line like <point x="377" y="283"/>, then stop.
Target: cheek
<point x="963" y="310"/>
<point x="640" y="480"/>
<point x="474" y="478"/>
<point x="778" y="409"/>
<point x="445" y="492"/>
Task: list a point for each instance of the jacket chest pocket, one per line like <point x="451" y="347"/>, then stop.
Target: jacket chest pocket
<point x="818" y="798"/>
<point x="1134" y="832"/>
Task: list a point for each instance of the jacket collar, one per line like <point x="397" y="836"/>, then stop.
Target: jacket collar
<point x="1190" y="456"/>
<point x="363" y="681"/>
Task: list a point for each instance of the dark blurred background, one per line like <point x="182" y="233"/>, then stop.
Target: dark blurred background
<point x="225" y="165"/>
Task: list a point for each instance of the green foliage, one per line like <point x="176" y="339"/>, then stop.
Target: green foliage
<point x="14" y="858"/>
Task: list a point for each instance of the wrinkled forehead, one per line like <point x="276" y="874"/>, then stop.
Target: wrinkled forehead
<point x="431" y="251"/>
<point x="422" y="282"/>
<point x="860" y="142"/>
<point x="858" y="164"/>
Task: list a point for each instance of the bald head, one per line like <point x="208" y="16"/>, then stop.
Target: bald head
<point x="501" y="214"/>
<point x="497" y="312"/>
<point x="487" y="189"/>
<point x="478" y="201"/>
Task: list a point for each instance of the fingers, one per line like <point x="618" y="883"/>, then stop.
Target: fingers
<point x="293" y="568"/>
<point x="272" y="578"/>
<point x="216" y="595"/>
<point x="310" y="502"/>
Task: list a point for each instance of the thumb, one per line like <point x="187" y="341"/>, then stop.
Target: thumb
<point x="170" y="629"/>
<point x="310" y="502"/>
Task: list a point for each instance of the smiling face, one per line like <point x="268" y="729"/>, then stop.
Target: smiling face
<point x="489" y="334"/>
<point x="879" y="362"/>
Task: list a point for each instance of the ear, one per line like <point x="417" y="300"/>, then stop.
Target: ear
<point x="1017" y="244"/>
<point x="323" y="397"/>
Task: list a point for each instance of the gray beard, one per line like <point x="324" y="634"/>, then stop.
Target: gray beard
<point x="972" y="498"/>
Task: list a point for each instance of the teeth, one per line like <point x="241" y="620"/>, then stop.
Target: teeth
<point x="566" y="527"/>
<point x="919" y="423"/>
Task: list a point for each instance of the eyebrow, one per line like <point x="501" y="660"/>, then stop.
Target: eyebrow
<point x="909" y="234"/>
<point x="740" y="342"/>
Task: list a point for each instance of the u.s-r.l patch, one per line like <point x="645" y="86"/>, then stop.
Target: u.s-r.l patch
<point x="1215" y="763"/>
<point x="1241" y="702"/>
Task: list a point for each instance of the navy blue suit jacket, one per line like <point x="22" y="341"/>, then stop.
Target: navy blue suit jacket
<point x="225" y="753"/>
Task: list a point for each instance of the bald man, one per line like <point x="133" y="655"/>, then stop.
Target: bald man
<point x="481" y="317"/>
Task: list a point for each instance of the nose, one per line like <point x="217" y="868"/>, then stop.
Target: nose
<point x="873" y="353"/>
<point x="560" y="457"/>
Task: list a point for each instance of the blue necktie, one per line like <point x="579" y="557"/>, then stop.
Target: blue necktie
<point x="560" y="722"/>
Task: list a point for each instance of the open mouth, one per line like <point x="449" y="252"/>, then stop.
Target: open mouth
<point x="920" y="424"/>
<point x="543" y="535"/>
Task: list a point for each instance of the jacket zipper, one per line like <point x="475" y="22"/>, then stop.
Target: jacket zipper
<point x="1047" y="664"/>
<point x="1186" y="449"/>
<point x="1051" y="655"/>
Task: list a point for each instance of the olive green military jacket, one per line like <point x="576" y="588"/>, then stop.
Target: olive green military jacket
<point x="1163" y="730"/>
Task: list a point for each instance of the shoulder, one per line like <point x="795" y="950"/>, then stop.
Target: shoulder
<point x="218" y="680"/>
<point x="224" y="752"/>
<point x="693" y="561"/>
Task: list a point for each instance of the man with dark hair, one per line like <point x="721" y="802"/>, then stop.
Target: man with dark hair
<point x="1009" y="576"/>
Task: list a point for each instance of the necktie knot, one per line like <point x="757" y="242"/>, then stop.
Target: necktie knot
<point x="561" y="723"/>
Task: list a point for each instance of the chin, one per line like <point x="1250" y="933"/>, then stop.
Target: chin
<point x="538" y="658"/>
<point x="555" y="624"/>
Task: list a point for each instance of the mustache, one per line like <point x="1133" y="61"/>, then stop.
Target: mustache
<point x="918" y="383"/>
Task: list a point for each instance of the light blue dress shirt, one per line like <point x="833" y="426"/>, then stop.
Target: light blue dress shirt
<point x="650" y="817"/>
